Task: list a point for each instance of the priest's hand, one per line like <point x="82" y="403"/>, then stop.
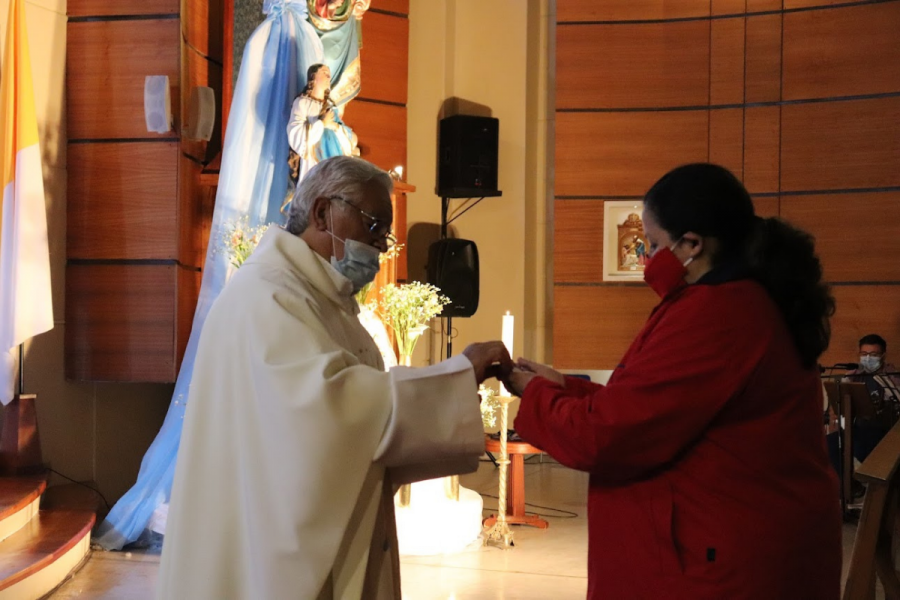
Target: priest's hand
<point x="542" y="371"/>
<point x="489" y="359"/>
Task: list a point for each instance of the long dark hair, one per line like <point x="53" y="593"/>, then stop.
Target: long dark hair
<point x="709" y="200"/>
<point x="327" y="103"/>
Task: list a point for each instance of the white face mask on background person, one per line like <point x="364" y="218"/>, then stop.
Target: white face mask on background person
<point x="870" y="364"/>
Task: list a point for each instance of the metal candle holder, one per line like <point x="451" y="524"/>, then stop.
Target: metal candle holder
<point x="499" y="534"/>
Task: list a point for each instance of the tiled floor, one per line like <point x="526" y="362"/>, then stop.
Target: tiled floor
<point x="548" y="563"/>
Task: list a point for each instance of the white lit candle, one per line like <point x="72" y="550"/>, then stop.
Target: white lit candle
<point x="506" y="336"/>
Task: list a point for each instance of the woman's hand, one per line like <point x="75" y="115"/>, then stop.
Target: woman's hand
<point x="518" y="380"/>
<point x="541" y="371"/>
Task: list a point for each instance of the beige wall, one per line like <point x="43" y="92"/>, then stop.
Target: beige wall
<point x="493" y="55"/>
<point x="90" y="432"/>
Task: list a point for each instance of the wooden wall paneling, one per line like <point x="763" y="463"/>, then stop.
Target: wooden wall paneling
<point x="629" y="10"/>
<point x="623" y="154"/>
<point x="861" y="310"/>
<point x="106" y="64"/>
<point x="726" y="139"/>
<point x="198" y="71"/>
<point x="761" y="130"/>
<point x="204" y="28"/>
<point x="103" y="8"/>
<point x="381" y="129"/>
<point x="194" y="214"/>
<point x="593" y="326"/>
<point x="763" y="60"/>
<point x="202" y="54"/>
<point x="121" y="200"/>
<point x="842" y="52"/>
<point x="766" y="206"/>
<point x="763" y="5"/>
<point x="780" y="148"/>
<point x="188" y="289"/>
<point x="627" y="66"/>
<point x="227" y="63"/>
<point x="728" y="7"/>
<point x="791" y="4"/>
<point x="120" y="321"/>
<point x="727" y="62"/>
<point x="396" y="6"/>
<point x="384" y="65"/>
<point x="578" y="241"/>
<point x="857" y="235"/>
<point x="841" y="145"/>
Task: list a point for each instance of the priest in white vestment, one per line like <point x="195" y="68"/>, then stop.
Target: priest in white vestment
<point x="294" y="434"/>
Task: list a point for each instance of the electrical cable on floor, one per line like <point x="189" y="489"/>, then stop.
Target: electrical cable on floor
<point x="567" y="514"/>
<point x="93" y="489"/>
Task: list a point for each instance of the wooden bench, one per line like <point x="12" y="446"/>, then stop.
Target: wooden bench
<point x="872" y="551"/>
<point x="848" y="400"/>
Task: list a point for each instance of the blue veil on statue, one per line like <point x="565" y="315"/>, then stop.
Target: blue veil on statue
<point x="253" y="182"/>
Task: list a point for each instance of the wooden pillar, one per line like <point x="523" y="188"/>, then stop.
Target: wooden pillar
<point x="20" y="444"/>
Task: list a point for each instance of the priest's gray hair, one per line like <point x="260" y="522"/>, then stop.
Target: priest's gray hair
<point x="339" y="176"/>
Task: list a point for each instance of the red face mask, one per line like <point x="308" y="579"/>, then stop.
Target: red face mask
<point x="664" y="272"/>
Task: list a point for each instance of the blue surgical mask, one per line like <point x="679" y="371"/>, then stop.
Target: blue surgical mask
<point x="360" y="263"/>
<point x="870" y="364"/>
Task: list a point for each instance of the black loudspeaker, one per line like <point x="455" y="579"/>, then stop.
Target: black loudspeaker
<point x="468" y="157"/>
<point x="453" y="268"/>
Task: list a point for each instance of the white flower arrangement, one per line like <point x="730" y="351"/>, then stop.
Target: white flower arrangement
<point x="407" y="309"/>
<point x="239" y="240"/>
<point x="489" y="406"/>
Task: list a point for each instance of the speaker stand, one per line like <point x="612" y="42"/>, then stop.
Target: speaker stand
<point x="445" y="208"/>
<point x="445" y="221"/>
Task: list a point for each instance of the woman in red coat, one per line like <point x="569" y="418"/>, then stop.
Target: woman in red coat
<point x="709" y="477"/>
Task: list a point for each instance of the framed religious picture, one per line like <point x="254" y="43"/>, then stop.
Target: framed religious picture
<point x="625" y="247"/>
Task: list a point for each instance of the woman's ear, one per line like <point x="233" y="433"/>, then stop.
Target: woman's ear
<point x="694" y="242"/>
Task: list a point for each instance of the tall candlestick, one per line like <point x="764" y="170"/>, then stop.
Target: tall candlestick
<point x="506" y="336"/>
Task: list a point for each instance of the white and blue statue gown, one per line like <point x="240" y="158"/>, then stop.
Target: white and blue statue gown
<point x="252" y="183"/>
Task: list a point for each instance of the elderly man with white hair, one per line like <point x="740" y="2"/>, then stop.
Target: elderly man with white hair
<point x="294" y="434"/>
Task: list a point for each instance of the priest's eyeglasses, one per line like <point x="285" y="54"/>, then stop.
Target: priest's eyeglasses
<point x="379" y="228"/>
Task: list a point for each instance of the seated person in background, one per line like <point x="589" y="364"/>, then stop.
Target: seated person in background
<point x="873" y="366"/>
<point x="883" y="382"/>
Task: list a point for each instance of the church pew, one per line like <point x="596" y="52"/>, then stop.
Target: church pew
<point x="873" y="548"/>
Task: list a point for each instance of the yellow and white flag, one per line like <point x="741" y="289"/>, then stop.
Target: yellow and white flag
<point x="26" y="307"/>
